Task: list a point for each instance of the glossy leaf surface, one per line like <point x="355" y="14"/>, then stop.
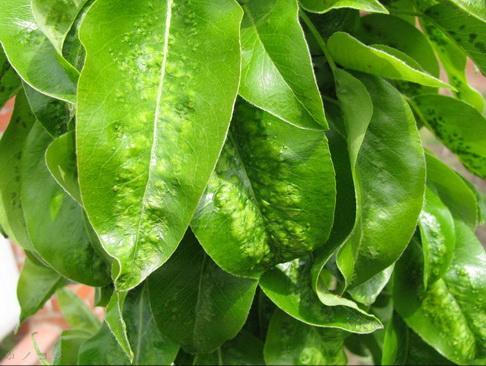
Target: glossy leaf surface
<point x="55" y="222"/>
<point x="32" y="55"/>
<point x="459" y="126"/>
<point x="37" y="283"/>
<point x="153" y="112"/>
<point x="290" y="342"/>
<point x="277" y="73"/>
<point x="289" y="286"/>
<point x="450" y="314"/>
<point x="390" y="176"/>
<point x="323" y="6"/>
<point x="270" y="199"/>
<point x="195" y="303"/>
<point x="353" y="54"/>
<point x="437" y="232"/>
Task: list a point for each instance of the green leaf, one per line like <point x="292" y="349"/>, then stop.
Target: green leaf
<point x="67" y="348"/>
<point x="453" y="190"/>
<point x="476" y="8"/>
<point x="397" y="33"/>
<point x="355" y="55"/>
<point x="116" y="323"/>
<point x="389" y="179"/>
<point x="166" y="85"/>
<point x="76" y="313"/>
<point x="450" y="314"/>
<point x="55" y="222"/>
<point x="270" y="199"/>
<point x="367" y="292"/>
<point x="437" y="234"/>
<point x="290" y="342"/>
<point x="32" y="55"/>
<point x="459" y="126"/>
<point x="290" y="287"/>
<point x="195" y="303"/>
<point x="9" y="81"/>
<point x="102" y="349"/>
<point x="401" y="346"/>
<point x="61" y="162"/>
<point x="56" y="17"/>
<point x="323" y="6"/>
<point x="10" y="156"/>
<point x="467" y="30"/>
<point x="277" y="74"/>
<point x="36" y="285"/>
<point x="244" y="349"/>
<point x="453" y="59"/>
<point x="54" y="114"/>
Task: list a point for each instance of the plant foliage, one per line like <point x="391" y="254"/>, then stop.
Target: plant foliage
<point x="245" y="182"/>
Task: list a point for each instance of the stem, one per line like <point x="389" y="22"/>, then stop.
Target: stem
<point x="320" y="41"/>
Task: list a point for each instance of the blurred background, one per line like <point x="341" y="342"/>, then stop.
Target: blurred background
<point x="17" y="346"/>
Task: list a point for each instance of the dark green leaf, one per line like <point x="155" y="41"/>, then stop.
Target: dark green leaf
<point x="277" y="73"/>
<point x="352" y="54"/>
<point x="459" y="126"/>
<point x="390" y="177"/>
<point x="9" y="81"/>
<point x="102" y="349"/>
<point x="270" y="199"/>
<point x="244" y="349"/>
<point x="32" y="55"/>
<point x="36" y="285"/>
<point x="195" y="303"/>
<point x="153" y="111"/>
<point x="56" y="223"/>
<point x="290" y="342"/>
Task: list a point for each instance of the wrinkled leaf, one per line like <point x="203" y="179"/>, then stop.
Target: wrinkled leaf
<point x="37" y="283"/>
<point x="153" y="112"/>
<point x="437" y="235"/>
<point x="271" y="197"/>
<point x="323" y="6"/>
<point x="55" y="222"/>
<point x="453" y="190"/>
<point x="277" y="73"/>
<point x="290" y="342"/>
<point x="450" y="314"/>
<point x="56" y="17"/>
<point x="459" y="126"/>
<point x="390" y="177"/>
<point x="289" y="286"/>
<point x="355" y="55"/>
<point x="32" y="55"/>
<point x="195" y="303"/>
<point x="467" y="30"/>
